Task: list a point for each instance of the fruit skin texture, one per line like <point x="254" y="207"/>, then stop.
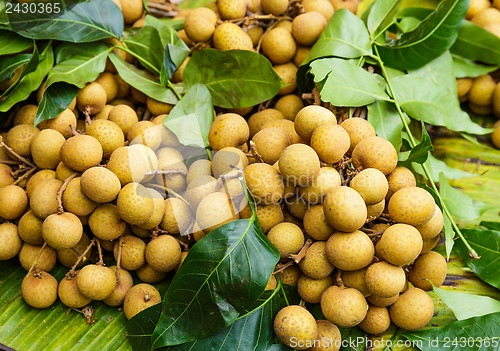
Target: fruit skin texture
<point x="400" y="178"/>
<point x="310" y="290"/>
<point x="43" y="199"/>
<point x="316" y="225"/>
<point x="315" y="263"/>
<point x="69" y="294"/>
<point x="62" y="231"/>
<point x="350" y="251"/>
<point x="385" y="280"/>
<point x="133" y="251"/>
<point x="231" y="9"/>
<point x="344" y="307"/>
<point x="375" y="152"/>
<point x="130" y="163"/>
<point x="108" y="133"/>
<point x="29" y="254"/>
<point x="45" y="148"/>
<point x="145" y="133"/>
<point x="214" y="211"/>
<point x="96" y="282"/>
<point x="377" y="320"/>
<point x="307" y="27"/>
<point x="124" y="116"/>
<point x="329" y="333"/>
<point x="10" y="242"/>
<point x="274" y="7"/>
<point x="287" y="237"/>
<point x="264" y="183"/>
<point x="106" y="223"/>
<point x="177" y="216"/>
<point x="81" y="152"/>
<point x="200" y="24"/>
<point x="311" y="117"/>
<point x="30" y="229"/>
<point x="412" y="310"/>
<point x="39" y="289"/>
<point x="400" y="244"/>
<point x="289" y="105"/>
<point x="434" y="226"/>
<point x="75" y="201"/>
<point x="270" y="143"/>
<point x="279" y="46"/>
<point x="229" y="36"/>
<point x="229" y="129"/>
<point x="412" y="205"/>
<point x="20" y="137"/>
<point x="100" y="184"/>
<point x="356" y="280"/>
<point x="257" y="120"/>
<point x="163" y="253"/>
<point x="371" y="184"/>
<point x="330" y="141"/>
<point x="295" y="326"/>
<point x="288" y="73"/>
<point x="345" y="209"/>
<point x="91" y="97"/>
<point x="358" y="129"/>
<point x="140" y="297"/>
<point x="125" y="283"/>
<point x="134" y="204"/>
<point x="299" y="164"/>
<point x="382" y="301"/>
<point x="132" y="10"/>
<point x="290" y="275"/>
<point x="14" y="202"/>
<point x="430" y="266"/>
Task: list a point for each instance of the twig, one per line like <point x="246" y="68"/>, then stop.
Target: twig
<point x="37" y="258"/>
<point x="260" y="17"/>
<point x="86" y="113"/>
<point x="182" y="243"/>
<point x="99" y="249"/>
<point x="60" y="208"/>
<point x="15" y="154"/>
<point x="282" y="266"/>
<point x="72" y="271"/>
<point x="25" y="175"/>
<point x="255" y="153"/>
<point x="299" y="256"/>
<point x="119" y="258"/>
<point x="166" y="171"/>
<point x="73" y="130"/>
<point x="316" y="96"/>
<point x="338" y="279"/>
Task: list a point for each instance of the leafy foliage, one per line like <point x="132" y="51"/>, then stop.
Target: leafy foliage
<point x="476" y="43"/>
<point x="79" y="22"/>
<point x="384" y="117"/>
<point x="55" y="100"/>
<point x="467" y="305"/>
<point x="12" y="43"/>
<point x="484" y="331"/>
<point x="235" y="78"/>
<point x="202" y="299"/>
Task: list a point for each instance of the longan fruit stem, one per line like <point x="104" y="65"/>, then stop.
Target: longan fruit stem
<point x="72" y="271"/>
<point x="299" y="256"/>
<point x="119" y="258"/>
<point x="15" y="154"/>
<point x="25" y="175"/>
<point x="166" y="171"/>
<point x="60" y="208"/>
<point x="282" y="266"/>
<point x="37" y="258"/>
<point x="86" y="113"/>
<point x="338" y="279"/>
<point x="255" y="153"/>
<point x="164" y="7"/>
<point x="99" y="250"/>
<point x="183" y="244"/>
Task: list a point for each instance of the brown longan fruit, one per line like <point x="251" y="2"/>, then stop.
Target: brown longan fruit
<point x="10" y="242"/>
<point x="124" y="116"/>
<point x="135" y="204"/>
<point x="163" y="253"/>
<point x="384" y="279"/>
<point x="147" y="274"/>
<point x="301" y="55"/>
<point x="375" y="152"/>
<point x="19" y="139"/>
<point x="289" y="105"/>
<point x="124" y="284"/>
<point x="371" y="184"/>
<point x="429" y="266"/>
<point x="214" y="211"/>
<point x="140" y="297"/>
<point x="199" y="188"/>
<point x="310" y="290"/>
<point x="92" y="98"/>
<point x="224" y="162"/>
<point x="299" y="164"/>
<point x="475" y="7"/>
<point x="257" y="120"/>
<point x="63" y="123"/>
<point x="329" y="337"/>
<point x="14" y="201"/>
<point x="6" y="177"/>
<point x="311" y="117"/>
<point x="294" y="325"/>
<point x="321" y="6"/>
<point x="481" y="92"/>
<point x="106" y="223"/>
<point x="30" y="229"/>
<point x="400" y="178"/>
<point x="377" y="320"/>
<point x="274" y="7"/>
<point x="108" y="82"/>
<point x="287" y="238"/>
<point x="315" y="263"/>
<point x="268" y="215"/>
<point x="412" y="310"/>
<point x="132" y="10"/>
<point x="177" y="217"/>
<point x="279" y="45"/>
<point x="29" y="254"/>
<point x="39" y="289"/>
<point x="400" y="244"/>
<point x="231" y="9"/>
<point x="69" y="294"/>
<point x="229" y="36"/>
<point x="270" y="143"/>
<point x="307" y="27"/>
<point x="290" y="275"/>
<point x="229" y="129"/>
<point x="264" y="183"/>
<point x="316" y="225"/>
<point x="356" y="280"/>
<point x="45" y="148"/>
<point x="96" y="282"/>
<point x="345" y="209"/>
<point x="412" y="205"/>
<point x="344" y="307"/>
<point x="81" y="152"/>
<point x="288" y="74"/>
<point x="108" y="133"/>
<point x="68" y="257"/>
<point x="200" y="24"/>
<point x="486" y="16"/>
<point x="350" y="251"/>
<point x="330" y="141"/>
<point x="25" y="115"/>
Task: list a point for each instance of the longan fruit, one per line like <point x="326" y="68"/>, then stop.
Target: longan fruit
<point x="124" y="116"/>
<point x="158" y="108"/>
<point x="177" y="216"/>
<point x="200" y="24"/>
<point x="229" y="129"/>
<point x="96" y="282"/>
<point x="74" y="199"/>
<point x="400" y="244"/>
<point x="356" y="280"/>
<point x="279" y="45"/>
<point x="109" y="135"/>
<point x="287" y="238"/>
<point x="288" y="74"/>
<point x="316" y="225"/>
<point x="43" y="199"/>
<point x="329" y="337"/>
<point x="257" y="121"/>
<point x="45" y="148"/>
<point x="434" y="226"/>
<point x="350" y="251"/>
<point x="400" y="178"/>
<point x="311" y="117"/>
<point x="29" y="254"/>
<point x="486" y="16"/>
<point x="274" y="7"/>
<point x="231" y="9"/>
<point x="377" y="320"/>
<point x="321" y="6"/>
<point x="290" y="275"/>
<point x="299" y="164"/>
<point x="19" y="139"/>
<point x="384" y="279"/>
<point x="412" y="205"/>
<point x="39" y="289"/>
<point x="345" y="209"/>
<point x="330" y="141"/>
<point x="294" y="325"/>
<point x="481" y="92"/>
<point x="344" y="307"/>
<point x="286" y="126"/>
<point x="412" y="310"/>
<point x="106" y="223"/>
<point x="375" y="152"/>
<point x="25" y="115"/>
<point x="310" y="290"/>
<point x="264" y="183"/>
<point x="63" y="123"/>
<point x="135" y="204"/>
<point x="315" y="263"/>
<point x="307" y="27"/>
<point x="108" y="82"/>
<point x="289" y="105"/>
<point x="214" y="211"/>
<point x="30" y="229"/>
<point x="81" y="152"/>
<point x="132" y="10"/>
<point x="429" y="266"/>
<point x="163" y="253"/>
<point x="92" y="98"/>
<point x="229" y="36"/>
<point x="301" y="55"/>
<point x="327" y="179"/>
<point x="270" y="143"/>
<point x="14" y="201"/>
<point x="10" y="242"/>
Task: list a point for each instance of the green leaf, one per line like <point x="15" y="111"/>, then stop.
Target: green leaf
<point x="55" y="99"/>
<point x="279" y="347"/>
<point x="30" y="82"/>
<point x="84" y="66"/>
<point x="409" y="24"/>
<point x="440" y="72"/>
<point x="9" y="64"/>
<point x="473" y="334"/>
<point x="467" y="305"/>
<point x="487" y="245"/>
<point x="84" y="21"/>
<point x="142" y="81"/>
<point x="192" y="4"/>
<point x="384" y="117"/>
<point x="477" y="44"/>
<point x="466" y="68"/>
<point x="425" y="100"/>
<point x="449" y="235"/>
<point x="436" y="166"/>
<point x="57" y="327"/>
<point x="29" y="67"/>
<point x="251" y="331"/>
<point x="420" y="152"/>
<point x="459" y="204"/>
<point x="221" y="277"/>
<point x="382" y="13"/>
<point x="141" y="326"/>
<point x="192" y="117"/>
<point x="345" y="36"/>
<point x="347" y="84"/>
<point x="12" y="43"/>
<point x="235" y="78"/>
<point x="433" y="36"/>
<point x="145" y="43"/>
<point x="491" y="225"/>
